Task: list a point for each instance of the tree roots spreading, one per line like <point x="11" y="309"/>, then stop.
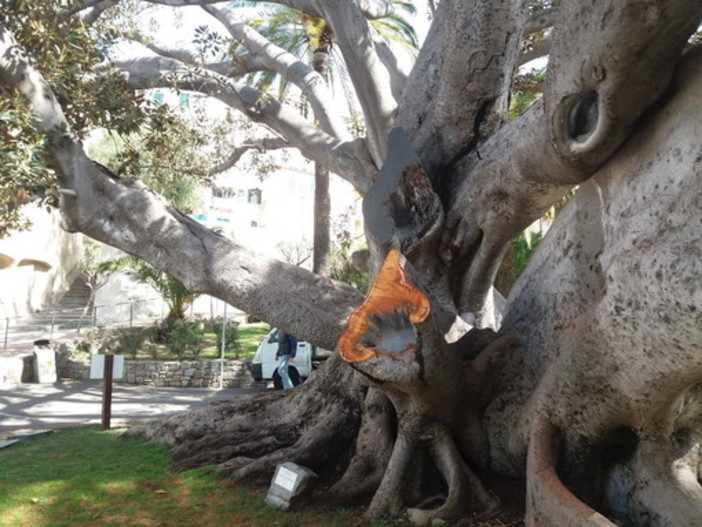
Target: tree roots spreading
<point x="313" y="425"/>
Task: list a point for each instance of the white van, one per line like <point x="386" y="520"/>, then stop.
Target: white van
<point x="264" y="366"/>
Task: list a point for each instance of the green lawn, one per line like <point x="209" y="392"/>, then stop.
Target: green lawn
<point x="250" y="336"/>
<point x="90" y="477"/>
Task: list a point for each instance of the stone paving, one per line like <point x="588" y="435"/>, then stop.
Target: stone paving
<point x="49" y="406"/>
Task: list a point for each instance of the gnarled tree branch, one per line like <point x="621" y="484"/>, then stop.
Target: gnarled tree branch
<point x="369" y="75"/>
<point x="264" y="144"/>
<point x="586" y="117"/>
<point x="348" y="159"/>
<point x="143" y="224"/>
<point x="449" y="106"/>
<point x="286" y="64"/>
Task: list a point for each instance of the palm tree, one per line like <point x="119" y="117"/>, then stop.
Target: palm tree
<point x="172" y="290"/>
<point x="313" y="38"/>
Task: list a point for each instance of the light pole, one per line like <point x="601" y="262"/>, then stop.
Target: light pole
<point x="222" y="346"/>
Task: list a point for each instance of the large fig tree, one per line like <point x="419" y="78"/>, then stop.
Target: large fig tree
<point x="590" y="384"/>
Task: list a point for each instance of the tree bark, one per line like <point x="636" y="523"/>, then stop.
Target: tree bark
<point x="321" y="256"/>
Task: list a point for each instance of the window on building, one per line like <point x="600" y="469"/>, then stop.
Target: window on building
<point x="254" y="223"/>
<point x="184" y="100"/>
<point x="254" y="196"/>
<point x="159" y="99"/>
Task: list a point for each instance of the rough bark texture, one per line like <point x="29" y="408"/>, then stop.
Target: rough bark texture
<point x="590" y="387"/>
<point x="616" y="372"/>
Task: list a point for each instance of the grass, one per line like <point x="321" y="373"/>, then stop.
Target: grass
<point x="90" y="477"/>
<point x="250" y="336"/>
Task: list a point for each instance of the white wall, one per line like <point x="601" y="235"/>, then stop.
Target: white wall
<point x="44" y="261"/>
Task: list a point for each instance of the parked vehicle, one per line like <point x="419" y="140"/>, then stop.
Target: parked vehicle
<point x="264" y="366"/>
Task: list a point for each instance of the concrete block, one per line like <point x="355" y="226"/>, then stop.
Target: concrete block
<point x="290" y="486"/>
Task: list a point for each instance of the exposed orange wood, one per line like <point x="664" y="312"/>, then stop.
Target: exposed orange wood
<point x="391" y="291"/>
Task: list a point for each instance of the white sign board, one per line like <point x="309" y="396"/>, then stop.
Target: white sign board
<point x="97" y="367"/>
<point x="285" y="478"/>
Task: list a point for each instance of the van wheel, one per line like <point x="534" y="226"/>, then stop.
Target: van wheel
<point x="294" y="377"/>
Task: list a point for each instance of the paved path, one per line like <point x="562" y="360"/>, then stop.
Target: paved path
<point x="42" y="406"/>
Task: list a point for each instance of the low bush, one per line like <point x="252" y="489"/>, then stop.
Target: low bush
<point x="232" y="346"/>
<point x="185" y="338"/>
<point x="130" y="340"/>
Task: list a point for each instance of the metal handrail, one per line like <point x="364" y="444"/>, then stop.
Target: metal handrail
<point x="78" y="316"/>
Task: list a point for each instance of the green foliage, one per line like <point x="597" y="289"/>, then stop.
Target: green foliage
<point x="185" y="338"/>
<point x="169" y="154"/>
<point x="96" y="340"/>
<point x="302" y="34"/>
<point x="343" y="271"/>
<point x="130" y="340"/>
<point x="343" y="245"/>
<point x="523" y="247"/>
<point x="526" y="90"/>
<point x="68" y="54"/>
<point x="232" y="346"/>
<point x="172" y="290"/>
<point x="24" y="174"/>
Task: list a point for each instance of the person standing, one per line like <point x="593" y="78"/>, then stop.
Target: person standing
<point x="287" y="348"/>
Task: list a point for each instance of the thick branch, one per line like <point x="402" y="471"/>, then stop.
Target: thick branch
<point x="348" y="159"/>
<point x="16" y="71"/>
<point x="141" y="223"/>
<point x="369" y="75"/>
<point x="398" y="72"/>
<point x="593" y="103"/>
<point x="455" y="98"/>
<point x="540" y="20"/>
<point x="264" y="144"/>
<point x="289" y="66"/>
<point x="570" y="138"/>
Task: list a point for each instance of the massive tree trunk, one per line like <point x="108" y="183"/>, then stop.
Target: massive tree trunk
<point x="590" y="387"/>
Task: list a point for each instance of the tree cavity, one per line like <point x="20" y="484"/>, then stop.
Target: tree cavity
<point x="583" y="117"/>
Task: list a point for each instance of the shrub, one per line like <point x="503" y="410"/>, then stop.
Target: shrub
<point x="231" y="344"/>
<point x="96" y="340"/>
<point x="185" y="338"/>
<point x="130" y="340"/>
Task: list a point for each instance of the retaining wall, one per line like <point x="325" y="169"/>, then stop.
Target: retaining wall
<point x="179" y="374"/>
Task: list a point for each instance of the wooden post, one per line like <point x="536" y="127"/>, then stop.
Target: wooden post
<point x="107" y="391"/>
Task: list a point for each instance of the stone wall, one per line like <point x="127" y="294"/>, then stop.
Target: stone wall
<point x="72" y="368"/>
<point x="178" y="374"/>
<point x="187" y="373"/>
